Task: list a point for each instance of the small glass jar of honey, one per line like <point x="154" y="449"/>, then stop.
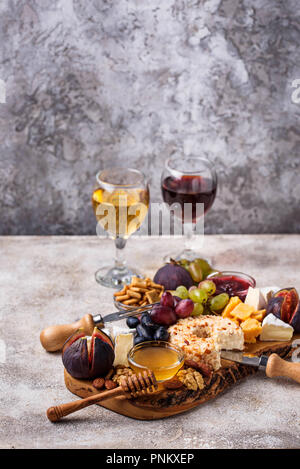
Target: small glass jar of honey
<point x="163" y="358"/>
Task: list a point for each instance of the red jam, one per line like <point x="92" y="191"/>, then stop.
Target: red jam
<point x="234" y="285"/>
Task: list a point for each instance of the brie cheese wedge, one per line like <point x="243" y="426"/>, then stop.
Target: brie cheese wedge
<point x="123" y="343"/>
<point x="273" y="329"/>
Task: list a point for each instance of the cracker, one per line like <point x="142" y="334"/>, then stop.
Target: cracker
<point x="152" y="296"/>
<point x="132" y="301"/>
<point x="134" y="294"/>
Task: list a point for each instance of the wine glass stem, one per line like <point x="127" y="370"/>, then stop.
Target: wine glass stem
<point x="120" y="261"/>
<point x="190" y="232"/>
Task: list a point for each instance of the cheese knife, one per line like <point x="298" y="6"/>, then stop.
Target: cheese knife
<point x="53" y="338"/>
<point x="273" y="365"/>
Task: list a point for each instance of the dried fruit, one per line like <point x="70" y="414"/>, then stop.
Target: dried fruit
<point x="172" y="275"/>
<point x="87" y="358"/>
<point x="110" y="384"/>
<point x="285" y="306"/>
<point x="173" y="384"/>
<point x="204" y="369"/>
<point x="98" y="383"/>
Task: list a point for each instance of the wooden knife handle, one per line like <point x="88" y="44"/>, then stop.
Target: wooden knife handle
<point x="54" y="414"/>
<point x="53" y="338"/>
<point x="276" y="366"/>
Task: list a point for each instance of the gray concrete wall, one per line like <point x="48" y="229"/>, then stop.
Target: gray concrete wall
<point x="93" y="83"/>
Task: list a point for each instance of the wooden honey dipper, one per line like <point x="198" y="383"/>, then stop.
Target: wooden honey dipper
<point x="133" y="385"/>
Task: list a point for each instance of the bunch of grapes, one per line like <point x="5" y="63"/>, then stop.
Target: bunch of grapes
<point x="198" y="269"/>
<point x="204" y="298"/>
<point x="154" y="325"/>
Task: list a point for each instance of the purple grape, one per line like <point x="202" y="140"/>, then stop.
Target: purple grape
<point x="163" y="315"/>
<point x="184" y="308"/>
<point x="176" y="300"/>
<point x="161" y="334"/>
<point x="167" y="299"/>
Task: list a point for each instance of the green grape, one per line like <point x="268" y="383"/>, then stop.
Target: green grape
<point x="195" y="272"/>
<point x="217" y="303"/>
<point x="209" y="286"/>
<point x="182" y="292"/>
<point x="198" y="296"/>
<point x="198" y="309"/>
<point x="184" y="262"/>
<point x="205" y="267"/>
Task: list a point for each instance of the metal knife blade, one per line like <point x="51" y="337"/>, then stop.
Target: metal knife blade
<point x="239" y="357"/>
<point x="121" y="314"/>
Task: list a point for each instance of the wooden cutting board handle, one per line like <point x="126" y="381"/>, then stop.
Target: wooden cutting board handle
<point x="276" y="366"/>
<point x="55" y="413"/>
<point x="53" y="338"/>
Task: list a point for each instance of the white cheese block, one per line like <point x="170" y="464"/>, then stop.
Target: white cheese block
<point x="117" y="329"/>
<point x="123" y="343"/>
<point x="275" y="329"/>
<point x="255" y="299"/>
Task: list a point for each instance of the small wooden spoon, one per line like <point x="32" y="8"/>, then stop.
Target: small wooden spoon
<point x="133" y="385"/>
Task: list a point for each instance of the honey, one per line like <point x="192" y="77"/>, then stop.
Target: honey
<point x="162" y="358"/>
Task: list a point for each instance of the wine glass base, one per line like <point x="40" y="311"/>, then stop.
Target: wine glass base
<point x="115" y="278"/>
<point x="187" y="254"/>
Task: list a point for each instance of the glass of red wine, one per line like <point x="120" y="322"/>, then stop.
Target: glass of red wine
<point x="186" y="183"/>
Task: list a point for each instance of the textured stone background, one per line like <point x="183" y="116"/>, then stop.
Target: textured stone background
<point x="92" y="83"/>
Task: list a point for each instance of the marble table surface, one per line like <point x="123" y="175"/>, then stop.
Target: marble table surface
<point x="48" y="280"/>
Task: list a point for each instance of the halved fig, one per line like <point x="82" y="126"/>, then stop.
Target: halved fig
<point x="285" y="306"/>
<point x="88" y="357"/>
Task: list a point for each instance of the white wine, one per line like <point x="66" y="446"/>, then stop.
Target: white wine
<point x="120" y="212"/>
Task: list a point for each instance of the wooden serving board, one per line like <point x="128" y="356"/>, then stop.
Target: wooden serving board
<point x="166" y="403"/>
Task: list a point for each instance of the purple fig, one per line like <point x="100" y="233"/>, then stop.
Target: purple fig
<point x="285" y="306"/>
<point x="172" y="275"/>
<point x="88" y="359"/>
<point x="274" y="306"/>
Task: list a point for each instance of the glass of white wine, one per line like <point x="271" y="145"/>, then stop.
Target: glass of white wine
<point x="120" y="202"/>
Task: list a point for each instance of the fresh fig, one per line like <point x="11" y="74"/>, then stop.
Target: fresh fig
<point x="88" y="358"/>
<point x="172" y="275"/>
<point x="285" y="306"/>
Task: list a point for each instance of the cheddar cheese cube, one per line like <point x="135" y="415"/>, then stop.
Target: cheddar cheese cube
<point x="252" y="329"/>
<point x="259" y="315"/>
<point x="233" y="302"/>
<point x="242" y="312"/>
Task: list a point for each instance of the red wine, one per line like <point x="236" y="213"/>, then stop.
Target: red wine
<point x="189" y="190"/>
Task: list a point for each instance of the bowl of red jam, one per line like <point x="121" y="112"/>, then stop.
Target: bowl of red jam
<point x="232" y="283"/>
